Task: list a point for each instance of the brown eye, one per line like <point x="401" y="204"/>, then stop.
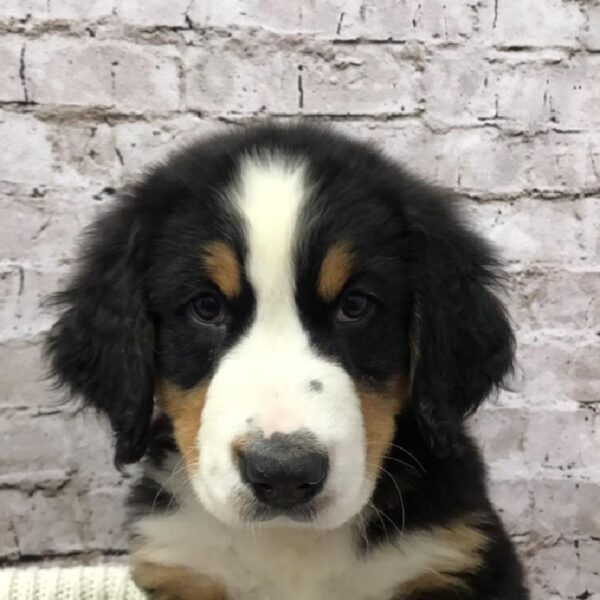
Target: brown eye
<point x="208" y="308"/>
<point x="353" y="307"/>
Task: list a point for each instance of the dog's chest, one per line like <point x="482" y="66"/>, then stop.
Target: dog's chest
<point x="270" y="565"/>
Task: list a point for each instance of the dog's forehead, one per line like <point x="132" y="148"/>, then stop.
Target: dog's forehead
<point x="294" y="222"/>
<point x="269" y="193"/>
<point x="272" y="223"/>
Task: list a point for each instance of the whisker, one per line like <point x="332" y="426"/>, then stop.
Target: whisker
<point x="411" y="455"/>
<point x="362" y="530"/>
<point x="164" y="485"/>
<point x="399" y="497"/>
<point x="185" y="481"/>
<point x="419" y="463"/>
<point x="177" y="468"/>
<point x="402" y="462"/>
<point x="378" y="513"/>
<point x="400" y="531"/>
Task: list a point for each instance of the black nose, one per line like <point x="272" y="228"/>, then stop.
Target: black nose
<point x="284" y="471"/>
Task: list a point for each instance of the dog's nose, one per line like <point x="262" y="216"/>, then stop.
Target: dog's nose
<point x="282" y="471"/>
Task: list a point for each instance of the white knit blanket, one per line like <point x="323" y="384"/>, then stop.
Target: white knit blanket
<point x="104" y="582"/>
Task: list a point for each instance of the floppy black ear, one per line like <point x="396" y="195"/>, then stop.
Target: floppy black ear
<point x="101" y="347"/>
<point x="462" y="342"/>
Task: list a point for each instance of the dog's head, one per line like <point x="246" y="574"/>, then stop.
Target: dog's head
<point x="284" y="294"/>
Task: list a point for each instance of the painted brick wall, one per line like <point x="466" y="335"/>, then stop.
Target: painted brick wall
<point x="498" y="99"/>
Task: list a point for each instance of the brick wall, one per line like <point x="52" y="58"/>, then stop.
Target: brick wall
<point x="498" y="99"/>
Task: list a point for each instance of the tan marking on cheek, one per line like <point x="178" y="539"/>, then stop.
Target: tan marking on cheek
<point x="174" y="583"/>
<point x="223" y="268"/>
<point x="184" y="408"/>
<point x="461" y="545"/>
<point x="379" y="410"/>
<point x="335" y="271"/>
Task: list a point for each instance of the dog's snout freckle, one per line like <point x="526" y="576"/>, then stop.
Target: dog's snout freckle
<point x="314" y="385"/>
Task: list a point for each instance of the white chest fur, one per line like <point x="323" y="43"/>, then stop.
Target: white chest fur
<point x="273" y="564"/>
<point x="290" y="563"/>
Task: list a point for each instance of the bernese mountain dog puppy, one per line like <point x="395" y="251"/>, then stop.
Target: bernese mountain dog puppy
<point x="290" y="331"/>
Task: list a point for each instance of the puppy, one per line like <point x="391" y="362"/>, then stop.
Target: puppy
<point x="289" y="330"/>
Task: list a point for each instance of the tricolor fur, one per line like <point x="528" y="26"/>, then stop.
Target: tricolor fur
<point x="291" y="330"/>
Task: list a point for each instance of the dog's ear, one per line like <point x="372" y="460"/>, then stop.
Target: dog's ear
<point x="101" y="348"/>
<point x="462" y="344"/>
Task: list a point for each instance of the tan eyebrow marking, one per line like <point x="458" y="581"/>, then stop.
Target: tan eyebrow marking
<point x="223" y="268"/>
<point x="335" y="270"/>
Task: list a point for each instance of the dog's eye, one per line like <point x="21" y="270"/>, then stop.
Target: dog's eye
<point x="353" y="307"/>
<point x="208" y="308"/>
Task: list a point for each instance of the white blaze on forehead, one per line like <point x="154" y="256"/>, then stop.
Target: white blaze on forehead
<point x="270" y="193"/>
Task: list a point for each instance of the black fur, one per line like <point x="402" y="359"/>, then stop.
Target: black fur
<point x="463" y="344"/>
<point x="436" y="320"/>
<point x="102" y="345"/>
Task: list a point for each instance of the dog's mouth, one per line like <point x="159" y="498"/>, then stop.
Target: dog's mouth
<point x="255" y="511"/>
<point x="263" y="513"/>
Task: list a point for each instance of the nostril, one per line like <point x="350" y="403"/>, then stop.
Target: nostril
<point x="265" y="487"/>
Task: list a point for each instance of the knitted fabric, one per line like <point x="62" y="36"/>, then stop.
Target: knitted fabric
<point x="104" y="582"/>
